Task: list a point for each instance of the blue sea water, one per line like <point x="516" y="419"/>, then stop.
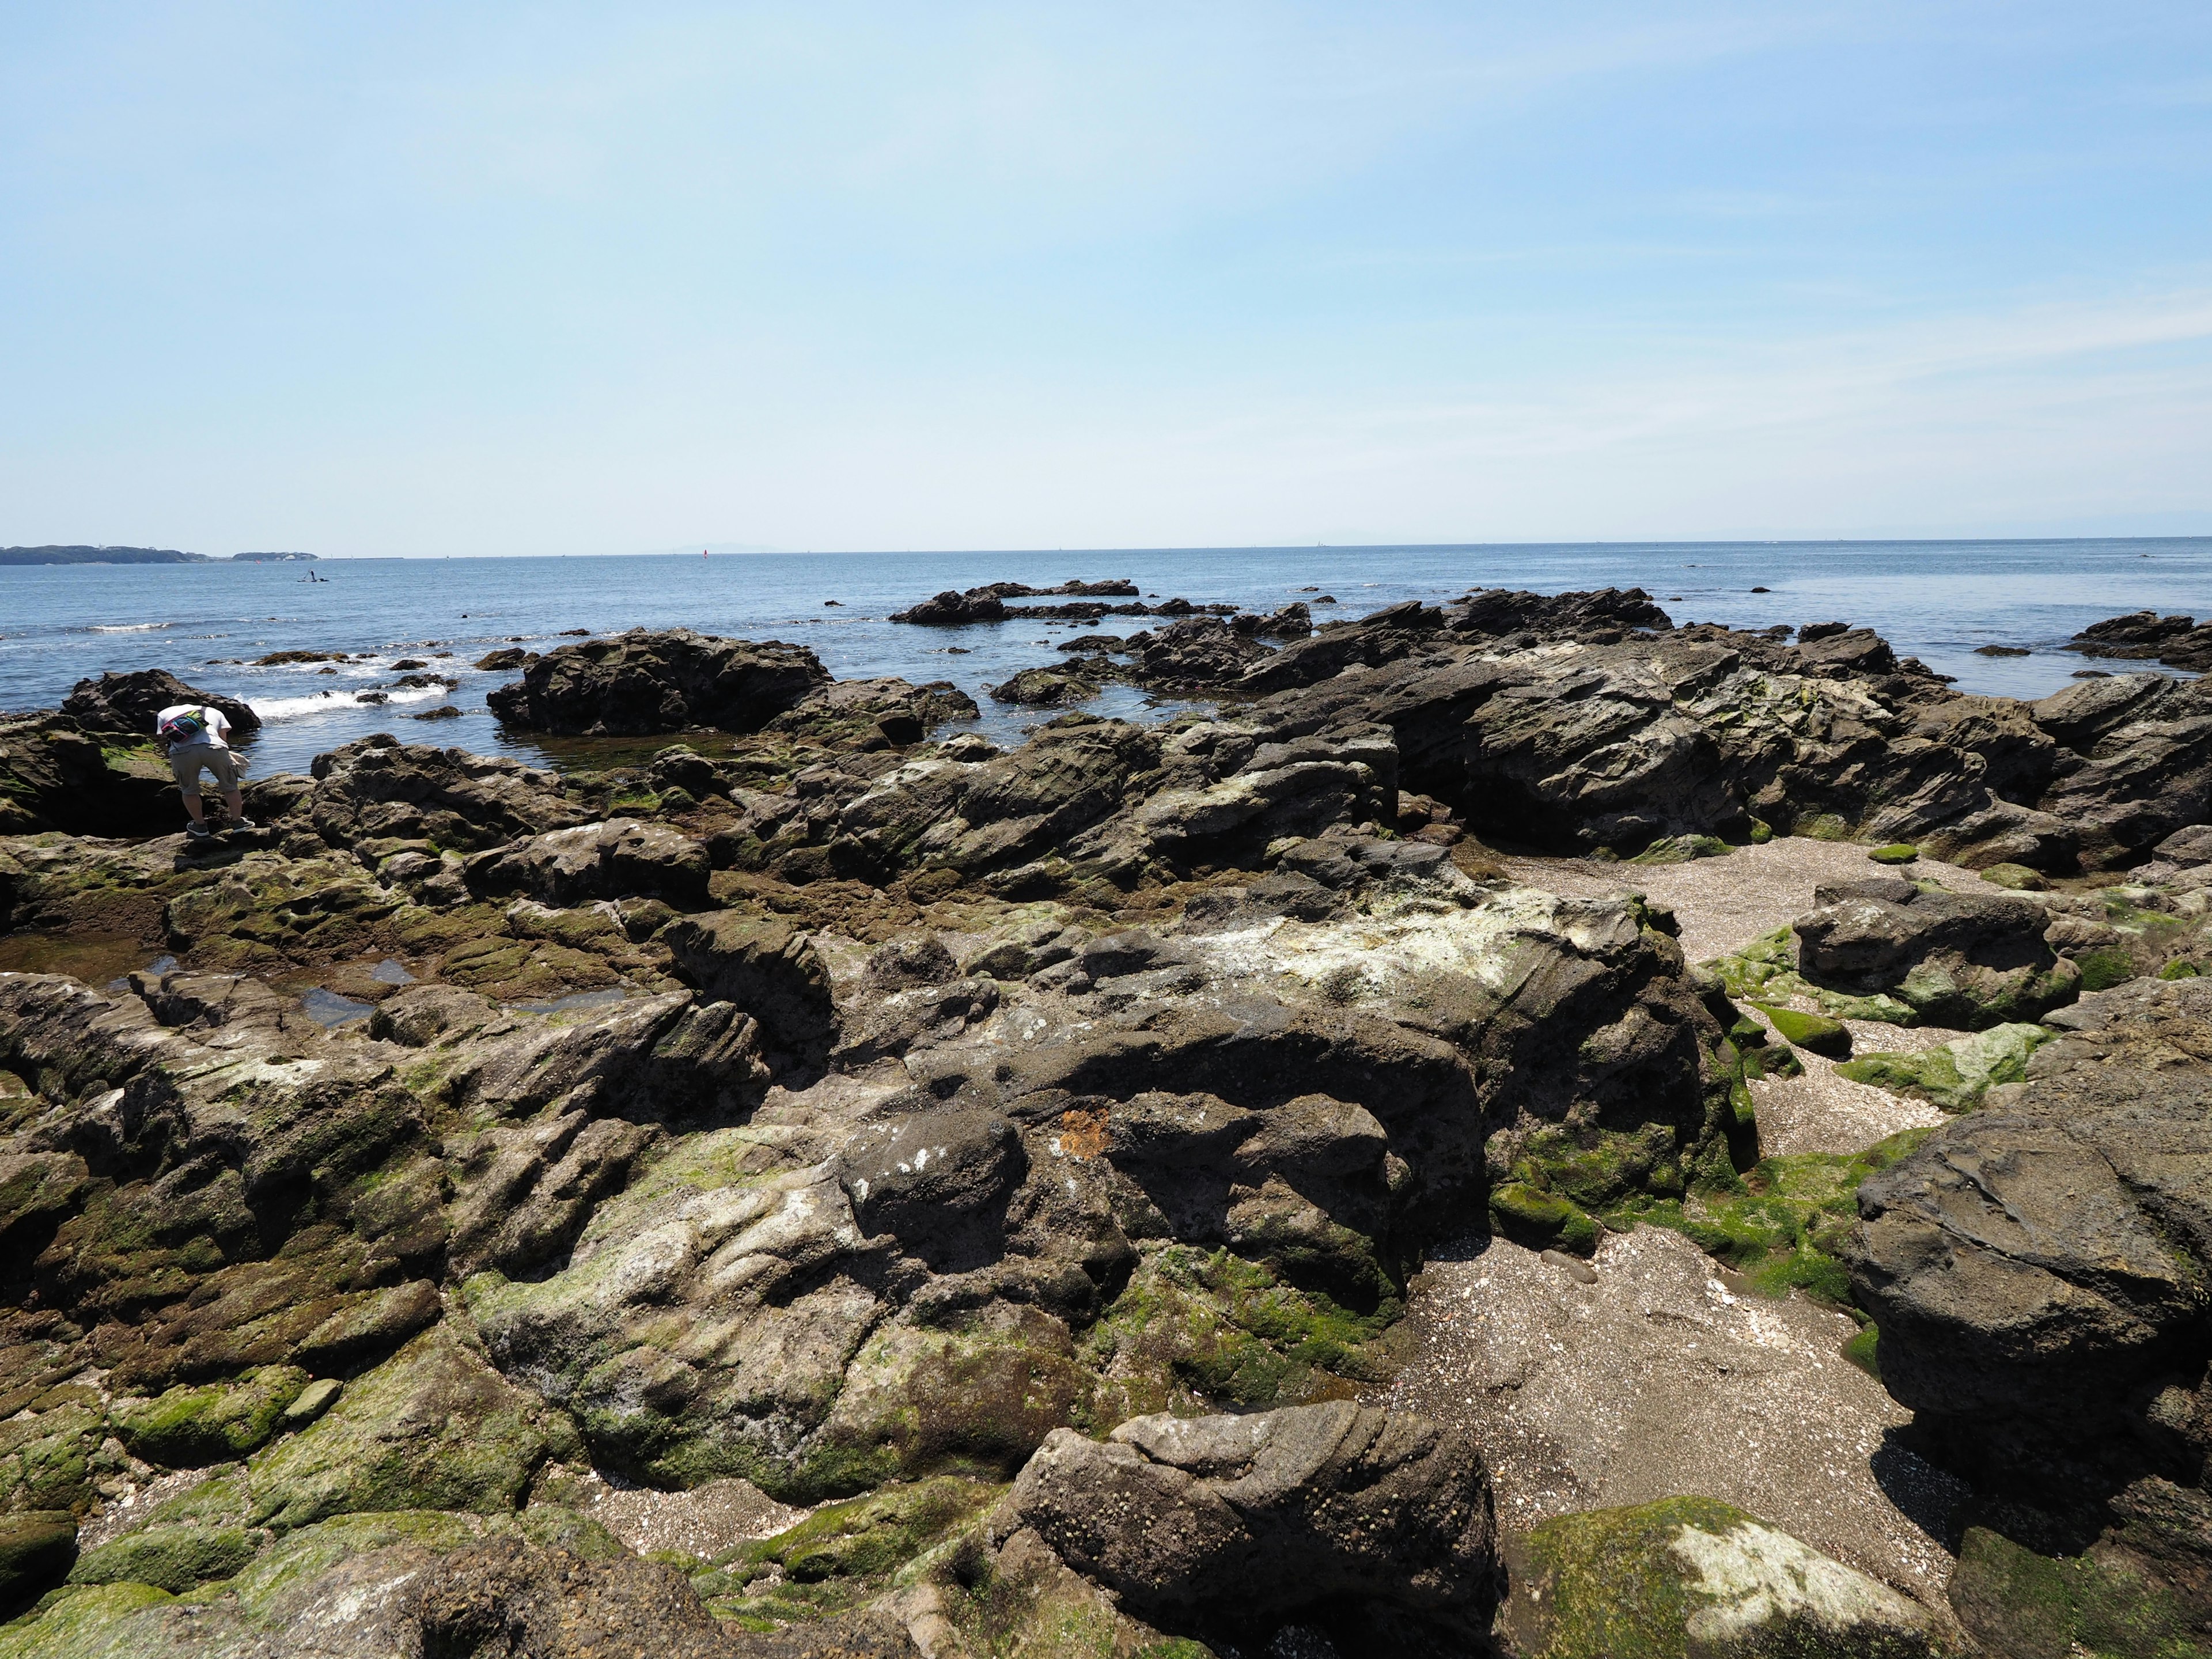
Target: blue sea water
<point x="1934" y="600"/>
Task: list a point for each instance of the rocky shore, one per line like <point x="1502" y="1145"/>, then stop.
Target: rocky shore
<point x="1526" y="1130"/>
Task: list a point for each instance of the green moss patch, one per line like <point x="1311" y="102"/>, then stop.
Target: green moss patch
<point x="171" y="1558"/>
<point x="2105" y="967"/>
<point x="1781" y="1232"/>
<point x="2017" y="878"/>
<point x="1764" y="972"/>
<point x="188" y="1427"/>
<point x="1955" y="1076"/>
<point x="1197" y="1330"/>
<point x="1815" y="1033"/>
<point x="2017" y="1602"/>
<point x="1897" y="852"/>
<point x="842" y="1553"/>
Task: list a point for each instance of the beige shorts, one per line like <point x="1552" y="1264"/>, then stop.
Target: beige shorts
<point x="186" y="760"/>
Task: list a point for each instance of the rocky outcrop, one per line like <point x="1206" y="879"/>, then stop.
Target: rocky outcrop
<point x="2037" y="1272"/>
<point x="1960" y="960"/>
<point x="377" y="790"/>
<point x="1239" y="1523"/>
<point x="129" y="702"/>
<point x="2177" y="642"/>
<point x="641" y="682"/>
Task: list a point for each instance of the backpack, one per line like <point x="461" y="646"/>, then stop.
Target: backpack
<point x="187" y="727"/>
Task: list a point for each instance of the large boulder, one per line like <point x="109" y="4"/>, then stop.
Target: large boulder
<point x="2037" y="1273"/>
<point x="953" y="609"/>
<point x="129" y="702"/>
<point x="675" y="681"/>
<point x="1230" y="1523"/>
<point x="1963" y="960"/>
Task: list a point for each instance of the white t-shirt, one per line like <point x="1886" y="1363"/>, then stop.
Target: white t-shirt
<point x="214" y="730"/>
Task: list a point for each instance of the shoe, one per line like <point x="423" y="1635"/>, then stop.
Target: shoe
<point x="244" y="823"/>
<point x="196" y="831"/>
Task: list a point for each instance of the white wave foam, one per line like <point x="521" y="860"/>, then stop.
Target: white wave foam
<point x="331" y="702"/>
<point x="127" y="628"/>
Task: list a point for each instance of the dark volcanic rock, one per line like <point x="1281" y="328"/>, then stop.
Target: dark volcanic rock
<point x="641" y="682"/>
<point x="2177" y="642"/>
<point x="952" y="609"/>
<point x="1604" y="615"/>
<point x="1957" y="959"/>
<point x="1194" y="654"/>
<point x="1230" y="1522"/>
<point x="1050" y="687"/>
<point x="2038" y="1272"/>
<point x="378" y="788"/>
<point x="129" y="702"/>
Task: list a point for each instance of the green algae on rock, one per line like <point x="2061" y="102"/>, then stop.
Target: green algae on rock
<point x="1695" y="1578"/>
<point x="187" y="1426"/>
<point x="1956" y="1075"/>
<point x="1815" y="1033"/>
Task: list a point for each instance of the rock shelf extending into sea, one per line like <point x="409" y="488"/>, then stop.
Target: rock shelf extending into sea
<point x="1519" y="1128"/>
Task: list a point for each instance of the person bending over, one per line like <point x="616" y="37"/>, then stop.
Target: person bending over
<point x="194" y="736"/>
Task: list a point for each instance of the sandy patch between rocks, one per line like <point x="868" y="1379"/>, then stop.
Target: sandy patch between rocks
<point x="1723" y="904"/>
<point x="704" y="1522"/>
<point x="1658" y="1380"/>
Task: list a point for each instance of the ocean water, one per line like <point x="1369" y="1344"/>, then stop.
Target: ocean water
<point x="1934" y="600"/>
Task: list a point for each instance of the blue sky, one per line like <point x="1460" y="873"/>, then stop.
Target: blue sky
<point x="400" y="279"/>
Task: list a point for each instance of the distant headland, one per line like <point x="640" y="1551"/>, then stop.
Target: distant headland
<point x="134" y="556"/>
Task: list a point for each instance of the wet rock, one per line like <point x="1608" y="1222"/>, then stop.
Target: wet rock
<point x="129" y="702"/>
<point x="1048" y="688"/>
<point x="2177" y="642"/>
<point x="952" y="609"/>
<point x="37" y="1548"/>
<point x="643" y="682"/>
<point x="1194" y="652"/>
<point x="1237" y="1520"/>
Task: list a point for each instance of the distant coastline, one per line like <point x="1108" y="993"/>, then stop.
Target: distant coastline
<point x="137" y="556"/>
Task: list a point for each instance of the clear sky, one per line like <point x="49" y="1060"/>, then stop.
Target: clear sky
<point x="425" y="279"/>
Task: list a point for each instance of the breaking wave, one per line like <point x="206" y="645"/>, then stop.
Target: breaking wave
<point x="325" y="703"/>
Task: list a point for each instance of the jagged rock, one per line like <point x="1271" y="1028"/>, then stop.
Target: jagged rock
<point x="1603" y="616"/>
<point x="1194" y="652"/>
<point x="619" y="859"/>
<point x="378" y="789"/>
<point x="873" y="714"/>
<point x="1236" y="1522"/>
<point x="129" y="702"/>
<point x="1691" y="1575"/>
<point x="1958" y="959"/>
<point x="674" y="681"/>
<point x="1048" y="688"/>
<point x="2177" y="642"/>
<point x="765" y="967"/>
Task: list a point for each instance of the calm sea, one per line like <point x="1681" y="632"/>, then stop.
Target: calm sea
<point x="1936" y="600"/>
